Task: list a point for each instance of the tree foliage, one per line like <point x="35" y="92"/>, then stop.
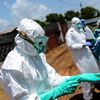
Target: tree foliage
<point x="61" y="18"/>
<point x="54" y="17"/>
<point x="98" y="13"/>
<point x="43" y="24"/>
<point x="85" y="13"/>
<point x="70" y="14"/>
<point x="88" y="12"/>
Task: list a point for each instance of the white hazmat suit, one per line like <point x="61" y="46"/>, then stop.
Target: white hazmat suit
<point x="25" y="73"/>
<point x="88" y="33"/>
<point x="82" y="56"/>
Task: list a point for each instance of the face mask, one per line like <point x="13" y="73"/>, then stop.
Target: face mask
<point x="39" y="42"/>
<point x="79" y="26"/>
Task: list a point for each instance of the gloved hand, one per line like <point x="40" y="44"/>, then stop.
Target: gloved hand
<point x="87" y="77"/>
<point x="87" y="44"/>
<point x="66" y="87"/>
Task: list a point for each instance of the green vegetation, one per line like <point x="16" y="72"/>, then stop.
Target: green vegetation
<point x="86" y="13"/>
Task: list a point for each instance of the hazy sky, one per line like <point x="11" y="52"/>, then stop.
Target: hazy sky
<point x="11" y="11"/>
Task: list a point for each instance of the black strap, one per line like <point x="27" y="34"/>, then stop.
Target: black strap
<point x="25" y="37"/>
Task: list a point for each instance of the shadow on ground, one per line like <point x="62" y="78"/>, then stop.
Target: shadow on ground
<point x="96" y="96"/>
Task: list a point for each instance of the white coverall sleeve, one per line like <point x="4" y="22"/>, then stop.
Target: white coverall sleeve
<point x="54" y="78"/>
<point x="16" y="86"/>
<point x="72" y="44"/>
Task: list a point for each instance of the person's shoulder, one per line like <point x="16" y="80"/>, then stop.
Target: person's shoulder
<point x="12" y="61"/>
<point x="87" y="27"/>
<point x="70" y="30"/>
<point x="13" y="55"/>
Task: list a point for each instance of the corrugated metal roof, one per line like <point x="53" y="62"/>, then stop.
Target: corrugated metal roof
<point x="8" y="31"/>
<point x="92" y="20"/>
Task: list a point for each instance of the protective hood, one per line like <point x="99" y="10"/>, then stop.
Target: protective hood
<point x="76" y="23"/>
<point x="25" y="46"/>
<point x="32" y="30"/>
<point x="75" y="20"/>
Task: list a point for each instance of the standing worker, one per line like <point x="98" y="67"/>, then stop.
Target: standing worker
<point x="81" y="53"/>
<point x="96" y="48"/>
<point x="88" y="33"/>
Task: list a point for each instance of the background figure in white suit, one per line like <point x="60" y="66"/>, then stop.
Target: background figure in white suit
<point x="88" y="33"/>
<point x="82" y="55"/>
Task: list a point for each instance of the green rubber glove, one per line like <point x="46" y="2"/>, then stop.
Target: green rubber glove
<point x="87" y="77"/>
<point x="66" y="87"/>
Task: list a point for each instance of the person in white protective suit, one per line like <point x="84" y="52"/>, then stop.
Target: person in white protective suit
<point x="82" y="55"/>
<point x="26" y="75"/>
<point x="87" y="31"/>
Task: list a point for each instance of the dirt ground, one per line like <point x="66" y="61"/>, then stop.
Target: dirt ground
<point x="61" y="60"/>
